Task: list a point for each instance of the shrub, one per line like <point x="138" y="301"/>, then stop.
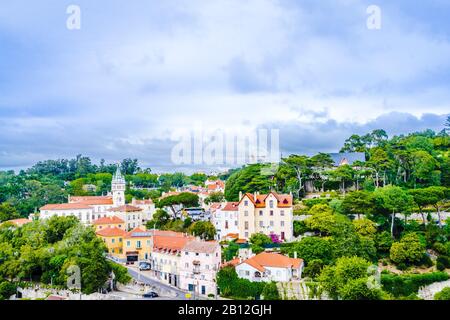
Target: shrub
<point x="7" y="289"/>
<point x="232" y="286"/>
<point x="407" y="284"/>
<point x="442" y="263"/>
<point x="300" y="227"/>
<point x="440" y="248"/>
<point x="270" y="291"/>
<point x="409" y="250"/>
<point x="443" y="295"/>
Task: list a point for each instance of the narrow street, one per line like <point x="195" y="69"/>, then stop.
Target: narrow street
<point x="165" y="291"/>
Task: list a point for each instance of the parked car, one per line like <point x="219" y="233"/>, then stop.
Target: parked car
<point x="150" y="294"/>
<point x="144" y="266"/>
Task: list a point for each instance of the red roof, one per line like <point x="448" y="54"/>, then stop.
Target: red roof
<point x="231" y="206"/>
<point x="108" y="220"/>
<point x="92" y="200"/>
<point x="276" y="260"/>
<point x="19" y="222"/>
<point x="111" y="232"/>
<point x="65" y="206"/>
<point x="138" y="232"/>
<point x="125" y="208"/>
<point x="283" y="200"/>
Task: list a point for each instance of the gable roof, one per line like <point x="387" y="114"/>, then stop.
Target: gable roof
<point x="92" y="200"/>
<point x="201" y="246"/>
<point x="111" y="232"/>
<point x="65" y="206"/>
<point x="259" y="200"/>
<point x="231" y="206"/>
<point x="275" y="260"/>
<point x="138" y="233"/>
<point x="108" y="220"/>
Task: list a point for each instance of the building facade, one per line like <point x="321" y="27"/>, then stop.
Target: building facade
<point x="199" y="263"/>
<point x="270" y="214"/>
<point x="270" y="267"/>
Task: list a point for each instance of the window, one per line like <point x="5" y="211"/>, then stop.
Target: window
<point x="261" y="212"/>
<point x="271" y="204"/>
<point x="113" y="240"/>
<point x="138" y="244"/>
<point x="245" y="202"/>
<point x="226" y="224"/>
<point x="246" y="213"/>
<point x="120" y="239"/>
<point x="246" y="234"/>
<point x="236" y="223"/>
<point x="271" y="212"/>
<point x="128" y="243"/>
<point x="282" y="223"/>
<point x="246" y="225"/>
<point x="247" y="273"/>
<point x="271" y="223"/>
<point x="186" y="253"/>
<point x="186" y="265"/>
<point x="282" y="212"/>
<point x="148" y="242"/>
<point x="261" y="224"/>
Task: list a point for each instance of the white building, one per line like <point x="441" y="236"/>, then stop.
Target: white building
<point x="130" y="214"/>
<point x="270" y="267"/>
<point x="91" y="208"/>
<point x="147" y="206"/>
<point x="226" y="220"/>
<point x="200" y="261"/>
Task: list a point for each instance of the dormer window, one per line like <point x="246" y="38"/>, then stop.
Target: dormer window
<point x="271" y="203"/>
<point x="285" y="201"/>
<point x="245" y="202"/>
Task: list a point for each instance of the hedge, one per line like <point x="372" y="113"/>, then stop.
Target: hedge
<point x="405" y="285"/>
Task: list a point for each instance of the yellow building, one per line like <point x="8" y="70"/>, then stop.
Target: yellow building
<point x="109" y="222"/>
<point x="113" y="238"/>
<point x="137" y="245"/>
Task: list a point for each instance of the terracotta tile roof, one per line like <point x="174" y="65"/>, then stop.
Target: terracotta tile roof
<point x="111" y="232"/>
<point x="231" y="206"/>
<point x="108" y="220"/>
<point x="170" y="244"/>
<point x="65" y="206"/>
<point x="126" y="208"/>
<point x="19" y="222"/>
<point x="276" y="260"/>
<point x="138" y="232"/>
<point x="283" y="200"/>
<point x="239" y="241"/>
<point x="215" y="205"/>
<point x="141" y="202"/>
<point x="201" y="246"/>
<point x="92" y="200"/>
<point x="233" y="262"/>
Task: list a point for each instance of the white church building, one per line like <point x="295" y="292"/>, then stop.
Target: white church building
<point x="90" y="208"/>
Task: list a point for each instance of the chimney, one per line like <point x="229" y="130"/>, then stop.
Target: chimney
<point x="295" y="254"/>
<point x="254" y="196"/>
<point x="240" y="195"/>
<point x="240" y="260"/>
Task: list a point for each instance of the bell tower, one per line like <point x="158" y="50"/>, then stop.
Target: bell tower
<point x="118" y="188"/>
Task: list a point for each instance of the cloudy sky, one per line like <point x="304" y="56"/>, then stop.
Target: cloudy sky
<point x="138" y="71"/>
